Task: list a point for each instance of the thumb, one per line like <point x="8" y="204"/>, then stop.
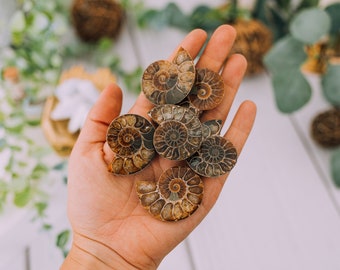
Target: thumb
<point x="107" y="107"/>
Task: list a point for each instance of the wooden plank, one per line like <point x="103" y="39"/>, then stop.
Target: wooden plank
<point x="274" y="212"/>
<point x="320" y="156"/>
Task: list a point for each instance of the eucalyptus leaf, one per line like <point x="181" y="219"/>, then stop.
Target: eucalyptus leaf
<point x="23" y="197"/>
<point x="331" y="84"/>
<point x="310" y="25"/>
<point x="335" y="167"/>
<point x="176" y="17"/>
<point x="291" y="89"/>
<point x="334" y="13"/>
<point x="62" y="239"/>
<point x="286" y="54"/>
<point x="307" y="4"/>
<point x="204" y="17"/>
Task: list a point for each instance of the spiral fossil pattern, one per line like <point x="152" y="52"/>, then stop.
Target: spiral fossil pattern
<point x="216" y="157"/>
<point x="208" y="90"/>
<point x="130" y="138"/>
<point x="176" y="195"/>
<point x="179" y="134"/>
<point x="180" y="94"/>
<point x="166" y="82"/>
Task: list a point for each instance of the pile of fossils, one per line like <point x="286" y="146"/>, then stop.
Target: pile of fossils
<point x="180" y="93"/>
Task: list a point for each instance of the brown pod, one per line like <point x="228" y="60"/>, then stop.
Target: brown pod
<point x="325" y="128"/>
<point x="130" y="138"/>
<point x="216" y="157"/>
<point x="175" y="196"/>
<point x="166" y="82"/>
<point x="208" y="90"/>
<point x="94" y="20"/>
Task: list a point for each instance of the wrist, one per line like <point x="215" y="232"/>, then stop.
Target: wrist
<point x="94" y="255"/>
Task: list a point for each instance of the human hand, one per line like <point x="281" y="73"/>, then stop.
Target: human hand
<point x="111" y="230"/>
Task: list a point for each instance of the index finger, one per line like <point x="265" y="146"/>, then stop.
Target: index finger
<point x="192" y="43"/>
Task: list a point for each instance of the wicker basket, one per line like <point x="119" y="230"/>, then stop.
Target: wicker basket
<point x="253" y="41"/>
<point x="94" y="20"/>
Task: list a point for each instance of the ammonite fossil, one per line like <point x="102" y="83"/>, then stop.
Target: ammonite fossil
<point x="179" y="134"/>
<point x="166" y="82"/>
<point x="211" y="127"/>
<point x="208" y="90"/>
<point x="175" y="196"/>
<point x="130" y="138"/>
<point x="180" y="94"/>
<point x="216" y="157"/>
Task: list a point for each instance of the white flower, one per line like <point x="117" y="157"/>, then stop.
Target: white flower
<point x="76" y="97"/>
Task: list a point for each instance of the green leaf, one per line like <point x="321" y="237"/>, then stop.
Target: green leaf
<point x="132" y="80"/>
<point x="62" y="239"/>
<point x="40" y="207"/>
<point x="47" y="227"/>
<point x="291" y="89"/>
<point x="286" y="54"/>
<point x="176" y="17"/>
<point x="310" y="25"/>
<point x="23" y="197"/>
<point x="204" y="17"/>
<point x="39" y="171"/>
<point x="307" y="4"/>
<point x="335" y="167"/>
<point x="334" y="13"/>
<point x="284" y="4"/>
<point x="330" y="84"/>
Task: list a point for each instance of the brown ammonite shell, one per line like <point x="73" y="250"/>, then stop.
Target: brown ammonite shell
<point x="179" y="134"/>
<point x="130" y="138"/>
<point x="208" y="90"/>
<point x="211" y="127"/>
<point x="176" y="195"/>
<point x="216" y="157"/>
<point x="166" y="82"/>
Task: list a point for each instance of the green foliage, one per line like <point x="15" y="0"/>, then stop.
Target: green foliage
<point x="132" y="79"/>
<point x="334" y="13"/>
<point x="279" y="58"/>
<point x="291" y="94"/>
<point x="331" y="84"/>
<point x="286" y="57"/>
<point x="335" y="167"/>
<point x="36" y="30"/>
<point x="277" y="14"/>
<point x="291" y="89"/>
<point x="62" y="241"/>
<point x="23" y="197"/>
<point x="310" y="25"/>
<point x="202" y="16"/>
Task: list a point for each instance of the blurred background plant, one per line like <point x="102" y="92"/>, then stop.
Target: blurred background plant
<point x="312" y="45"/>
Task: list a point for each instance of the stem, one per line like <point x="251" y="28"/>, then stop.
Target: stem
<point x="233" y="11"/>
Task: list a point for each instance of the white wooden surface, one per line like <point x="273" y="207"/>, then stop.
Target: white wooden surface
<point x="278" y="210"/>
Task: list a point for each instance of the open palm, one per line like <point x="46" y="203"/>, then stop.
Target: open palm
<point x="111" y="229"/>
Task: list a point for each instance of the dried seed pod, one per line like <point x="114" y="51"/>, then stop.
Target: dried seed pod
<point x="175" y="196"/>
<point x="165" y="82"/>
<point x="130" y="138"/>
<point x="179" y="134"/>
<point x="94" y="20"/>
<point x="216" y="157"/>
<point x="208" y="90"/>
<point x="325" y="128"/>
